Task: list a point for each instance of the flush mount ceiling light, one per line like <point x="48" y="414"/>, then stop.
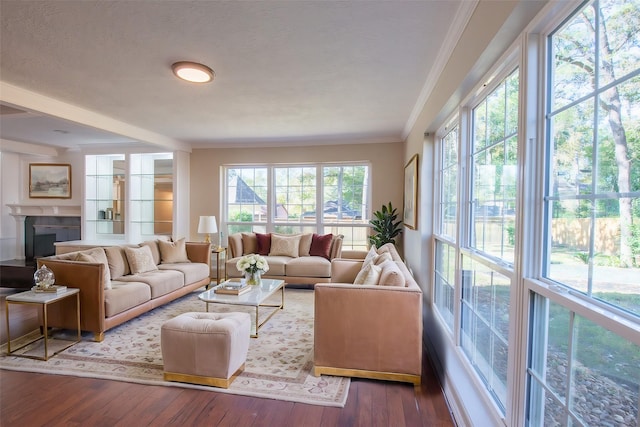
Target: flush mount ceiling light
<point x="193" y="72"/>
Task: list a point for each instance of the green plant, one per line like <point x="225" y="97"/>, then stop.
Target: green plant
<point x="385" y="226"/>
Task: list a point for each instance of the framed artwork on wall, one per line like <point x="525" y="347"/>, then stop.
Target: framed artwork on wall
<point x="49" y="181"/>
<point x="410" y="215"/>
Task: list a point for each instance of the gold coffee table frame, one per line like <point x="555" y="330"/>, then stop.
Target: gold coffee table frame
<point x="253" y="298"/>
<point x="43" y="300"/>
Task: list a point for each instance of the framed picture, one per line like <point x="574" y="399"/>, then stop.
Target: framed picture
<point x="49" y="181"/>
<point x="410" y="215"/>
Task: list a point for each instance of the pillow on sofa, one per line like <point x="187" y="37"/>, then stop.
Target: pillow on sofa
<point x="117" y="259"/>
<point x="140" y="259"/>
<point x="321" y="245"/>
<point x="336" y="246"/>
<point x="368" y="275"/>
<point x="173" y="252"/>
<point x="391" y="275"/>
<point x="97" y="255"/>
<point x="155" y="252"/>
<point x="264" y="243"/>
<point x="249" y="243"/>
<point x="375" y="258"/>
<point x="285" y="245"/>
<point x="305" y="244"/>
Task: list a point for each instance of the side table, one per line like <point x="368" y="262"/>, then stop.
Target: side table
<point x="43" y="300"/>
<point x="221" y="258"/>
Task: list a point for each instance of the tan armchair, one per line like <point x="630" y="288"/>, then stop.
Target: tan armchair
<point x="368" y="331"/>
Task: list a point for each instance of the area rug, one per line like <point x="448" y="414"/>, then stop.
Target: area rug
<point x="279" y="363"/>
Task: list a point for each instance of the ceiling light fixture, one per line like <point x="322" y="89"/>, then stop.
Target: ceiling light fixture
<point x="193" y="72"/>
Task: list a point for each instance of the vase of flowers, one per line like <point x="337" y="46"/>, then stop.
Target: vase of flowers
<point x="253" y="266"/>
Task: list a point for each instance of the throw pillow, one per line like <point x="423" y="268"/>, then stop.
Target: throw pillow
<point x="98" y="256"/>
<point x="264" y="243"/>
<point x="118" y="265"/>
<point x="368" y="275"/>
<point x="305" y="244"/>
<point x="391" y="274"/>
<point x="249" y="243"/>
<point x="140" y="259"/>
<point x="370" y="255"/>
<point x="321" y="245"/>
<point x="336" y="246"/>
<point x="173" y="252"/>
<point x="285" y="245"/>
<point x="155" y="252"/>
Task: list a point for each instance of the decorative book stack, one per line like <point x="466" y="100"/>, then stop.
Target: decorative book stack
<point x="53" y="289"/>
<point x="232" y="288"/>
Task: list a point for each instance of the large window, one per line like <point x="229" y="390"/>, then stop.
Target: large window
<point x="583" y="368"/>
<point x="537" y="255"/>
<point x="331" y="198"/>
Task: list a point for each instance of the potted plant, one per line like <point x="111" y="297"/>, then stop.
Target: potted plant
<point x="385" y="226"/>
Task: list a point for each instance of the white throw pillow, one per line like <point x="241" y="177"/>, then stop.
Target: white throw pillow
<point x="140" y="259"/>
<point x="368" y="275"/>
<point x="285" y="245"/>
<point x="391" y="275"/>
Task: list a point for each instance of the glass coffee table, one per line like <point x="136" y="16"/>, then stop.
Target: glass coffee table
<point x="255" y="297"/>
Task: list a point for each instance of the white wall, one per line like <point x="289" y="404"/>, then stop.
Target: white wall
<point x="14" y="171"/>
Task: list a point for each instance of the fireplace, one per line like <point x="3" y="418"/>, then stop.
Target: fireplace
<point x="38" y="227"/>
<point x="41" y="232"/>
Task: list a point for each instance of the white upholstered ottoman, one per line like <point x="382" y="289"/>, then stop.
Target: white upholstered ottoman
<point x="205" y="348"/>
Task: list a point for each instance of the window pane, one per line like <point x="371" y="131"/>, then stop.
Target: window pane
<point x="485" y="325"/>
<point x="572" y="45"/>
<point x="449" y="184"/>
<point x="345" y="194"/>
<point x="246" y="195"/>
<point x="445" y="281"/>
<point x="295" y="193"/>
<point x="589" y="375"/>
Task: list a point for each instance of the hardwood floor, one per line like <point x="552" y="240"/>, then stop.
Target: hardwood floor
<point x="29" y="399"/>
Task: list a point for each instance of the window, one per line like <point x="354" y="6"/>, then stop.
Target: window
<point x="128" y="196"/>
<point x="487" y="270"/>
<point x="584" y="363"/>
<point x="593" y="186"/>
<point x="285" y="199"/>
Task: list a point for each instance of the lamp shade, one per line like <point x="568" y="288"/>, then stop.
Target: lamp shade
<point x="207" y="225"/>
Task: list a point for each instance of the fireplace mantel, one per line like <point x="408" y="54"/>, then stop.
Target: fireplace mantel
<point x="44" y="210"/>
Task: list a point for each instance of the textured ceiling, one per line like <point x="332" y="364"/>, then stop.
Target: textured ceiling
<point x="286" y="72"/>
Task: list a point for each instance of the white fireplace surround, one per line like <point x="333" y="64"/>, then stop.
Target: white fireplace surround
<point x="20" y="211"/>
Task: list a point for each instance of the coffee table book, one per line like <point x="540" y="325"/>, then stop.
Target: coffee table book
<point x="229" y="289"/>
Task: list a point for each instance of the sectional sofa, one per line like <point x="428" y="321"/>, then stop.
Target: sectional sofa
<point x="119" y="283"/>
<point x="295" y="258"/>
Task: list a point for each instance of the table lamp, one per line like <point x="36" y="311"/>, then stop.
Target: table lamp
<point x="206" y="226"/>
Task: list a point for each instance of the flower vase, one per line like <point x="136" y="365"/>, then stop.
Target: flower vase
<point x="253" y="278"/>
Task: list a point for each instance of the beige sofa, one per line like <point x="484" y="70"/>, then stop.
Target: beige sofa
<point x="118" y="283"/>
<point x="297" y="259"/>
<point x="369" y="330"/>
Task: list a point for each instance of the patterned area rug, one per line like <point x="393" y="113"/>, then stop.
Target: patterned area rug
<point x="278" y="366"/>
